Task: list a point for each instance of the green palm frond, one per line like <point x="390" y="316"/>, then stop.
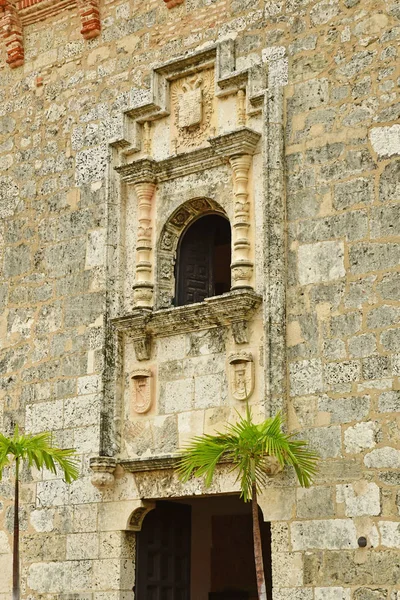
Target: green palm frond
<point x="38" y="450"/>
<point x="247" y="446"/>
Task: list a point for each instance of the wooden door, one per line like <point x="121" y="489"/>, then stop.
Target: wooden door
<point x="163" y="554"/>
<point x="195" y="264"/>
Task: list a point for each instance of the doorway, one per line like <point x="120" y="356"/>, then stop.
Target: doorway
<point x="200" y="549"/>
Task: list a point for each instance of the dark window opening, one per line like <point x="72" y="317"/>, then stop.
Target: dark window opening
<point x="203" y="262"/>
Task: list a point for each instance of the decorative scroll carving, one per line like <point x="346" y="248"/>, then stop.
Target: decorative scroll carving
<point x="138" y="515"/>
<point x="228" y="309"/>
<point x="141" y="390"/>
<point x="103" y="468"/>
<point x="143" y="288"/>
<point x="192" y="106"/>
<point x="242" y="375"/>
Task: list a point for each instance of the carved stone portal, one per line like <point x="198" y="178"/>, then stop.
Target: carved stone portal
<point x="242" y="375"/>
<point x="141" y="390"/>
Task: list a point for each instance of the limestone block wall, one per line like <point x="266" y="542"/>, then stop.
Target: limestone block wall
<point x="59" y="285"/>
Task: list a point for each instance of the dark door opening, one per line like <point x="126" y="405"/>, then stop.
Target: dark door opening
<point x="163" y="554"/>
<point x="200" y="549"/>
<point x="203" y="261"/>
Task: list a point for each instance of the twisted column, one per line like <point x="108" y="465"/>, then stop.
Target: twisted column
<point x="143" y="288"/>
<point x="242" y="265"/>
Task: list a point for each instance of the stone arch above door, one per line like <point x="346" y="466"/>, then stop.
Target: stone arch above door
<point x="175" y="226"/>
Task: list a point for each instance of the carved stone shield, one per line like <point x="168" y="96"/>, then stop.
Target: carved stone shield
<point x="141" y="390"/>
<point x="190" y="106"/>
<point x="242" y="375"/>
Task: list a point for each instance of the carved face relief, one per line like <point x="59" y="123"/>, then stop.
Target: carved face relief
<point x="141" y="391"/>
<point x="242" y="375"/>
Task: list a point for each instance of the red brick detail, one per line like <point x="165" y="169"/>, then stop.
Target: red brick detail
<point x="172" y="3"/>
<point x="12" y="32"/>
<point x="90" y="17"/>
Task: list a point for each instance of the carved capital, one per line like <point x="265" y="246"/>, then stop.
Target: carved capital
<point x="103" y="468"/>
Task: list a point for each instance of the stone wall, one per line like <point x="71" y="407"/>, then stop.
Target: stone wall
<point x="60" y="282"/>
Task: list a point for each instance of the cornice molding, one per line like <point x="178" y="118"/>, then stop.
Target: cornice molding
<point x="234" y="308"/>
<point x="222" y="147"/>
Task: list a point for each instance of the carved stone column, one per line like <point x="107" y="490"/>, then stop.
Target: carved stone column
<point x="238" y="147"/>
<point x="242" y="265"/>
<point x="143" y="288"/>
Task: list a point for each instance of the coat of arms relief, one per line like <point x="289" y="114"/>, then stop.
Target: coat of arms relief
<point x="141" y="390"/>
<point x="192" y="109"/>
<point x="242" y="377"/>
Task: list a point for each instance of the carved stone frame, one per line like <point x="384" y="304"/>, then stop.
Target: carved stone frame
<point x="167" y="246"/>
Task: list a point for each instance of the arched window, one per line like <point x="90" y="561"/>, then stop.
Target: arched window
<point x="203" y="260"/>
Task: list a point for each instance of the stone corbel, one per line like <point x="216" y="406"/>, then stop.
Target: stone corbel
<point x="90" y="18"/>
<point x="11" y="31"/>
<point x="172" y="3"/>
<point x="103" y="468"/>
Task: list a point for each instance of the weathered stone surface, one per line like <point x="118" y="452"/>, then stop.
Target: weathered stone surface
<point x="326" y="439"/>
<point x="385" y="140"/>
<point x="388" y="458"/>
<point x="334" y="534"/>
<point x="360" y="437"/>
<point x="390" y="533"/>
<point x="365" y="257"/>
<point x="356" y="191"/>
<point x="389" y="186"/>
<point x="359" y="498"/>
<point x="345" y="410"/>
<point x="332" y="593"/>
<point x="389" y="402"/>
<point x="342" y="372"/>
<point x="316" y="502"/>
<point x="320" y="262"/>
<point x="305" y="377"/>
<point x="370" y="594"/>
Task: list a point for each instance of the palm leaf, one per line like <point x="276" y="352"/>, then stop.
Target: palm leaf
<point x="247" y="446"/>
